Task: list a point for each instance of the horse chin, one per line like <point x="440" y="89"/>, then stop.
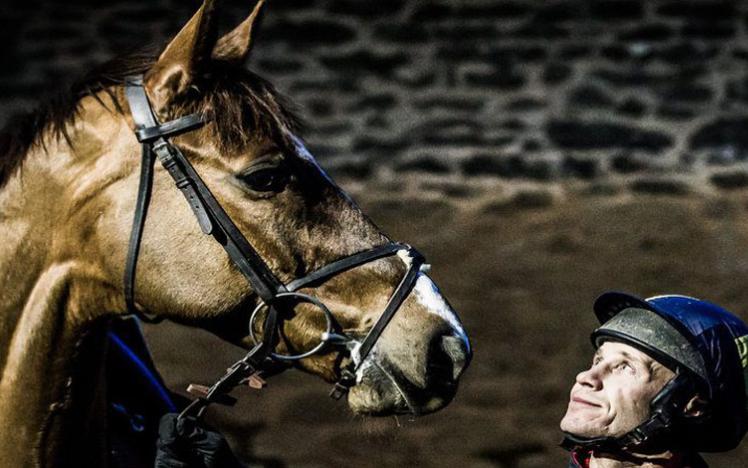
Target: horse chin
<point x="367" y="399"/>
<point x="383" y="391"/>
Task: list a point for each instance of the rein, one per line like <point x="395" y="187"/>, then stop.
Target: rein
<point x="272" y="292"/>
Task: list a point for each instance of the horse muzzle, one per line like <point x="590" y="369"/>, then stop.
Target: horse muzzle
<point x="383" y="387"/>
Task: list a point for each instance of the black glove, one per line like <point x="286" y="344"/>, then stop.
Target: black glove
<point x="186" y="443"/>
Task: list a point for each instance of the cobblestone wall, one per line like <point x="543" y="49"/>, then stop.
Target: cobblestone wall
<point x="517" y="90"/>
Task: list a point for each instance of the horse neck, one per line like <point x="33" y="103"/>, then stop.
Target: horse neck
<point x="53" y="403"/>
<point x="51" y="341"/>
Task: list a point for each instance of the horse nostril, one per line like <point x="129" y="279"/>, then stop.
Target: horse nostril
<point x="458" y="353"/>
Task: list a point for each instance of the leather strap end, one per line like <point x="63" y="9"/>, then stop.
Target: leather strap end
<point x="202" y="391"/>
<point x="198" y="390"/>
<point x="255" y="381"/>
<point x="201" y="213"/>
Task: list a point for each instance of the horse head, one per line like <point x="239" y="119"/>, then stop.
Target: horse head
<point x="296" y="219"/>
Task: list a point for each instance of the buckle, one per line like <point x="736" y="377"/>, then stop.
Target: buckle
<point x="347" y="380"/>
<point x="638" y="436"/>
<point x="338" y="391"/>
<point x="161" y="143"/>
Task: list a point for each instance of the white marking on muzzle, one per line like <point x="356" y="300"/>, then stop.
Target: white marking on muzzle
<point x="431" y="299"/>
<point x="368" y="362"/>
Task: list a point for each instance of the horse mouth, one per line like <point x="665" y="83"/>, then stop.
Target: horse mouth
<point x="383" y="390"/>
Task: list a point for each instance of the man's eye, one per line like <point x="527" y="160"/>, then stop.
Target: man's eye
<point x="624" y="366"/>
<point x="265" y="179"/>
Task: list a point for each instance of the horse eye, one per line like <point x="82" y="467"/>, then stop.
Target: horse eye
<point x="265" y="179"/>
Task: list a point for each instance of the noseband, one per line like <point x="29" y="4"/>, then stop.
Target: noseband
<point x="273" y="293"/>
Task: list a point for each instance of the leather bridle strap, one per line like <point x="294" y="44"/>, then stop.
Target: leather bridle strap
<point x="344" y="264"/>
<point x="169" y="129"/>
<point x="212" y="220"/>
<point x="209" y="213"/>
<point x="141" y="208"/>
<point x="400" y="294"/>
<point x="361" y="352"/>
<point x="264" y="283"/>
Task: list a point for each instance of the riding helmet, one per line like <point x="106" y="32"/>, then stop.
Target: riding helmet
<point x="705" y="345"/>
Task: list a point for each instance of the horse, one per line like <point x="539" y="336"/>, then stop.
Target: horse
<point x="70" y="184"/>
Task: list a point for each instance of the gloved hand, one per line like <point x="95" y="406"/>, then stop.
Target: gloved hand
<point x="187" y="443"/>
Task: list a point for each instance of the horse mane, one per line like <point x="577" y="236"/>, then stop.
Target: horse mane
<point x="240" y="102"/>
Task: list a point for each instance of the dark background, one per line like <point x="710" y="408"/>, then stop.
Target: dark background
<point x="538" y="152"/>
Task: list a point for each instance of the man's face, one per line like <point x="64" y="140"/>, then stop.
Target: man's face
<point x="612" y="397"/>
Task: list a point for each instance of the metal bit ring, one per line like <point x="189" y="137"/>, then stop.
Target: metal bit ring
<point x="300" y="297"/>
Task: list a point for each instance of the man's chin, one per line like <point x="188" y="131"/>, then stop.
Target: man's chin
<point x="581" y="427"/>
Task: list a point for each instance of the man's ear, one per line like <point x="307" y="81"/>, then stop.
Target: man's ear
<point x="696" y="407"/>
<point x="182" y="60"/>
<point x="235" y="46"/>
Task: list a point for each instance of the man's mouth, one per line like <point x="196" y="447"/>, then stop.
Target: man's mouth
<point x="582" y="401"/>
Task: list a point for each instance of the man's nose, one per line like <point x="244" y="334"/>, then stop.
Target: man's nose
<point x="589" y="378"/>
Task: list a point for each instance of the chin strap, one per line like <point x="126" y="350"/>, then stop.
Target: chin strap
<point x="653" y="435"/>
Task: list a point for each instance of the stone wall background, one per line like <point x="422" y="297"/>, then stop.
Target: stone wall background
<point x="538" y="91"/>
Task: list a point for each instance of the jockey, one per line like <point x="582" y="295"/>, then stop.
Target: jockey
<point x="668" y="380"/>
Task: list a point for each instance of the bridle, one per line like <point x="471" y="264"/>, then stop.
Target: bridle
<point x="273" y="294"/>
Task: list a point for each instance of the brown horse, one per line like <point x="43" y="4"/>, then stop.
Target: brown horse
<point x="69" y="175"/>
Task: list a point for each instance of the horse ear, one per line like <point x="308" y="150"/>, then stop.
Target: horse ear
<point x="235" y="46"/>
<point x="182" y="60"/>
